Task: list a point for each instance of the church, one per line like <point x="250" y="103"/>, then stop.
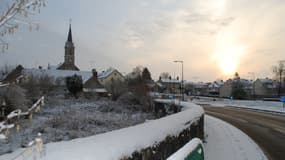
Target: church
<point x="69" y="57"/>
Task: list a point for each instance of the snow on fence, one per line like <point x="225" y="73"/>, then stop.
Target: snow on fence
<point x="154" y="139"/>
<point x="192" y="150"/>
<point x="4" y="84"/>
<point x="35" y="150"/>
<point x="6" y="124"/>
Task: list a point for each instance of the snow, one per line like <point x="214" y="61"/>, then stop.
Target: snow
<point x="14" y="113"/>
<point x="123" y="142"/>
<point x="183" y="152"/>
<point x="64" y="119"/>
<point x="167" y="80"/>
<point x="96" y="90"/>
<point x="106" y="73"/>
<point x="226" y="142"/>
<point x="250" y="104"/>
<point x="2" y="136"/>
<point x="3" y="84"/>
<point x="5" y="126"/>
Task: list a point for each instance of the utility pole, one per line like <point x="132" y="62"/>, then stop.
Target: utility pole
<point x="253" y="83"/>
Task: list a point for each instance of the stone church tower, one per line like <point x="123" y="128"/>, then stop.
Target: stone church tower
<point x="69" y="57"/>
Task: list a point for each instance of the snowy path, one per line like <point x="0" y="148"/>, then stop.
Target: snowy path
<point x="225" y="142"/>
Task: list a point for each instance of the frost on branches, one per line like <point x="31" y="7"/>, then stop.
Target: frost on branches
<point x="16" y="12"/>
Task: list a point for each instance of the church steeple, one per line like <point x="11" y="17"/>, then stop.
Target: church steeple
<point x="69" y="38"/>
<point x="69" y="55"/>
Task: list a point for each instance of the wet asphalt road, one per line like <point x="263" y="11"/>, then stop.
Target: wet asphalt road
<point x="266" y="129"/>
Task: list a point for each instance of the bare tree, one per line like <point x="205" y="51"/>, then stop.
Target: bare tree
<point x="16" y="13"/>
<point x="146" y="76"/>
<point x="116" y="88"/>
<point x="279" y="71"/>
<point x="15" y="97"/>
<point x="164" y="75"/>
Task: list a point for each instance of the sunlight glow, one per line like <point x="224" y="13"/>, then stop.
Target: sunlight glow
<point x="220" y="3"/>
<point x="228" y="59"/>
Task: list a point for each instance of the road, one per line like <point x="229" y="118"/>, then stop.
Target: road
<point x="266" y="129"/>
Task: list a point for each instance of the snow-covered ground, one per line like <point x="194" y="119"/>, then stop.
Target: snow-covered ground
<point x="65" y="119"/>
<point x="225" y="142"/>
<point x="251" y="104"/>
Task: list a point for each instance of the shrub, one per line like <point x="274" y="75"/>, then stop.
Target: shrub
<point x="74" y="84"/>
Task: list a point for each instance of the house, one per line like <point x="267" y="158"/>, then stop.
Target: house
<point x="170" y="85"/>
<point x="92" y="85"/>
<point x="227" y="88"/>
<point x="265" y="88"/>
<point x="214" y="88"/>
<point x="109" y="75"/>
<point x="197" y="88"/>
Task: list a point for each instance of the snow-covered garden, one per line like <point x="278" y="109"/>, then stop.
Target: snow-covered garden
<point x="64" y="119"/>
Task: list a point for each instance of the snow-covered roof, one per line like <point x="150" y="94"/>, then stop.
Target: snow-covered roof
<point x="265" y="80"/>
<point x="54" y="67"/>
<point x="96" y="90"/>
<point x="167" y="80"/>
<point x="106" y="73"/>
<point x="213" y="85"/>
<point x="268" y="83"/>
<point x="58" y="73"/>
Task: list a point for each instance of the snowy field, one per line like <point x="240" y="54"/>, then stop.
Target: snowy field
<point x="258" y="104"/>
<point x="226" y="142"/>
<point x="65" y="119"/>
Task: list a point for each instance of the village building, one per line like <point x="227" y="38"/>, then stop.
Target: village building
<point x="92" y="85"/>
<point x="197" y="88"/>
<point x="111" y="74"/>
<point x="169" y="85"/>
<point x="214" y="88"/>
<point x="226" y="89"/>
<point x="265" y="88"/>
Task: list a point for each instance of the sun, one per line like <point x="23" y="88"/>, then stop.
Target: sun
<point x="228" y="65"/>
<point x="229" y="58"/>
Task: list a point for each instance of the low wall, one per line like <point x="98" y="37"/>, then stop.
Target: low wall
<point x="162" y="150"/>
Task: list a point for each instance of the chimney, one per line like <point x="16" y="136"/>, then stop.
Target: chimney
<point x="94" y="72"/>
<point x="177" y="78"/>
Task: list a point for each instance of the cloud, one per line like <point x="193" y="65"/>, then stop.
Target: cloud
<point x="205" y="23"/>
<point x="137" y="33"/>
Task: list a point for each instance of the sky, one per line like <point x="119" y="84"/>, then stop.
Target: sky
<point x="214" y="38"/>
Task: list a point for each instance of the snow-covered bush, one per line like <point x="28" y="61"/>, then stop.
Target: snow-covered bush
<point x="37" y="86"/>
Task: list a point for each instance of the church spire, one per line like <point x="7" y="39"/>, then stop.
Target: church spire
<point x="69" y="38"/>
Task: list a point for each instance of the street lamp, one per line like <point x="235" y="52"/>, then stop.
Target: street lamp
<point x="181" y="79"/>
<point x="253" y="84"/>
